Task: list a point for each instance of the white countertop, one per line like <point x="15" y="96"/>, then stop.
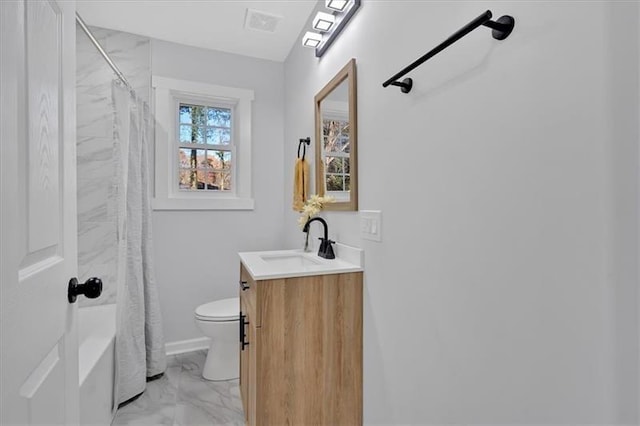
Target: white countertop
<point x="263" y="265"/>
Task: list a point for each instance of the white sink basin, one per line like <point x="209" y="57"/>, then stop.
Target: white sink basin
<point x="295" y="260"/>
<point x="296" y="263"/>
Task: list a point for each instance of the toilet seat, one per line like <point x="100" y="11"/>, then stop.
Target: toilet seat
<point x="219" y="310"/>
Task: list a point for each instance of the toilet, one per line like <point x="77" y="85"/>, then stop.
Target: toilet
<point x="219" y="320"/>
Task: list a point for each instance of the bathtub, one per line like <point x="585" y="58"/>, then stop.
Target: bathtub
<point x="96" y="363"/>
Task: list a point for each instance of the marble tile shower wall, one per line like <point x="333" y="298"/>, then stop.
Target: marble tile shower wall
<point x="96" y="168"/>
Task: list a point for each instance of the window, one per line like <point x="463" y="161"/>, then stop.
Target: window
<point x="203" y="146"/>
<point x="335" y="154"/>
<point x="335" y="134"/>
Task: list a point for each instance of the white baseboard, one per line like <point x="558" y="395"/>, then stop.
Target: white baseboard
<point x="183" y="346"/>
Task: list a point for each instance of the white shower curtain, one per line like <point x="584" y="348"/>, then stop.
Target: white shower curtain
<point x="140" y="351"/>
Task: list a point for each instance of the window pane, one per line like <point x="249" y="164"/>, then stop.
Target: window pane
<point x="193" y="114"/>
<point x="334" y="183"/>
<point x="197" y="135"/>
<point x="192" y="158"/>
<point x="199" y="115"/>
<point x="185" y="133"/>
<point x="220" y="160"/>
<point x="202" y="176"/>
<point x="202" y="179"/>
<point x="214" y="181"/>
<point x="333" y="165"/>
<point x="185" y="178"/>
<point x="347" y="167"/>
<point x="223" y="180"/>
<point x="347" y="183"/>
<point x="192" y="180"/>
<point x="220" y="117"/>
<point x="184" y="156"/>
<point x="185" y="114"/>
<point x="210" y="180"/>
<point x="191" y="134"/>
<point x="218" y="136"/>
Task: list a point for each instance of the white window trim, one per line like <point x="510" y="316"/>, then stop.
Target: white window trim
<point x="168" y="92"/>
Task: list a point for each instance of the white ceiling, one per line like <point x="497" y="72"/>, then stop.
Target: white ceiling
<point x="211" y="24"/>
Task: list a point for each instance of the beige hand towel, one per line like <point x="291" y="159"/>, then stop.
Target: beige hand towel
<point x="300" y="184"/>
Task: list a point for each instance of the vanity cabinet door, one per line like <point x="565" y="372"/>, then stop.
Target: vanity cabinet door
<point x="244" y="363"/>
<point x="251" y="374"/>
<point x="248" y="357"/>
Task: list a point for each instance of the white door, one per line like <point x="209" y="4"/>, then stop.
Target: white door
<point x="38" y="340"/>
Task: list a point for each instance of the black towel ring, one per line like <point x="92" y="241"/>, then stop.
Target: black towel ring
<point x="306" y="141"/>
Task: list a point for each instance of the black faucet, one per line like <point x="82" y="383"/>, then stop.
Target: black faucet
<point x="325" y="251"/>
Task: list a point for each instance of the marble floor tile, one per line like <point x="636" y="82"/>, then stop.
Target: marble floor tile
<point x="183" y="398"/>
<point x="172" y="361"/>
<point x="192" y="415"/>
<point x="159" y="416"/>
<point x="156" y="405"/>
<point x="199" y="399"/>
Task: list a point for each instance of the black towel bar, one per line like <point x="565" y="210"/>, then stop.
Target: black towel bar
<point x="501" y="30"/>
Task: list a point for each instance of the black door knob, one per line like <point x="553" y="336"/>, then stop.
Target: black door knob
<point x="91" y="288"/>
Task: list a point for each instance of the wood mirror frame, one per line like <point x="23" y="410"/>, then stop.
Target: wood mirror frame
<point x="347" y="75"/>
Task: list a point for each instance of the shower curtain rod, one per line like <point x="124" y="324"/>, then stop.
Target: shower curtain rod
<point x="102" y="51"/>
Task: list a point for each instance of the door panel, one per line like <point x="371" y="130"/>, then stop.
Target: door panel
<point x="41" y="391"/>
<point x="39" y="370"/>
<point x="43" y="25"/>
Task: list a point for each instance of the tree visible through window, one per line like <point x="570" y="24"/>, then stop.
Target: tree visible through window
<point x="205" y="148"/>
<point x="335" y="133"/>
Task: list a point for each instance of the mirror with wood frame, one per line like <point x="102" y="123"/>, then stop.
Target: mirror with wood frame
<point x="337" y="140"/>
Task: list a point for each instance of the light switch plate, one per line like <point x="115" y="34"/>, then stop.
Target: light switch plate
<point x="371" y="225"/>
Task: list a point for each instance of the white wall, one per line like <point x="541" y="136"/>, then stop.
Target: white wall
<point x="505" y="288"/>
<point x="196" y="251"/>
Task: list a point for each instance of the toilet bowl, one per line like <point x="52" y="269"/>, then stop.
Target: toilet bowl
<point x="219" y="320"/>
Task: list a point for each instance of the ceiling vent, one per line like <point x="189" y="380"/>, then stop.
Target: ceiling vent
<point x="261" y="21"/>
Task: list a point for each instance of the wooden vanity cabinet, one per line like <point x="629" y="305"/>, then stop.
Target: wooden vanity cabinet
<point x="303" y="361"/>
